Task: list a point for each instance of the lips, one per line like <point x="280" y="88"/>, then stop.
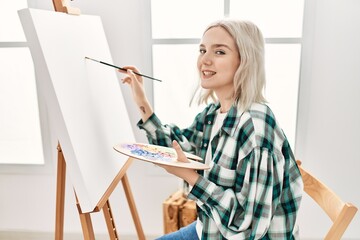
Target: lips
<point x="208" y="73"/>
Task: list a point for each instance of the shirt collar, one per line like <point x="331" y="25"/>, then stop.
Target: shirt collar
<point x="213" y="108"/>
<point x="232" y="118"/>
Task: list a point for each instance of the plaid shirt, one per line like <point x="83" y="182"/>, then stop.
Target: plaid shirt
<point x="254" y="188"/>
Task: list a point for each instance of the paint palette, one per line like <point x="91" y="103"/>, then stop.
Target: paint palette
<point x="159" y="155"/>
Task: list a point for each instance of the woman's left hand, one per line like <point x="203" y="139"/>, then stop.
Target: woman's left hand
<point x="189" y="175"/>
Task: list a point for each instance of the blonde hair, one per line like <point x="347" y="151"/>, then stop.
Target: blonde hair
<point x="249" y="79"/>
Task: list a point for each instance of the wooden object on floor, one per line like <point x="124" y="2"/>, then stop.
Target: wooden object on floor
<point x="341" y="213"/>
<point x="188" y="213"/>
<point x="178" y="211"/>
<point x="171" y="209"/>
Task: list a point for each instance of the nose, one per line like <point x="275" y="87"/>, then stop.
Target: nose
<point x="205" y="59"/>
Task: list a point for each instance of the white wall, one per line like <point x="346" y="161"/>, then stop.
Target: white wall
<point x="327" y="130"/>
<point x="329" y="108"/>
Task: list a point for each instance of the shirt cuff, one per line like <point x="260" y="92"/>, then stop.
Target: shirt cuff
<point x="201" y="190"/>
<point x="151" y="124"/>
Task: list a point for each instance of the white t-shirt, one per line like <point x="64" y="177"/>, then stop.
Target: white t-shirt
<point x="219" y="120"/>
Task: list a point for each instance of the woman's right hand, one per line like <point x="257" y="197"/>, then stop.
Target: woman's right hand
<point x="136" y="84"/>
<point x="137" y="88"/>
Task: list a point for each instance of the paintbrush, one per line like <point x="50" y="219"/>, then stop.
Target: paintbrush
<point x="124" y="69"/>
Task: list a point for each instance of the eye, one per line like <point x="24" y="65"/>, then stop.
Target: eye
<point x="202" y="51"/>
<point x="220" y="52"/>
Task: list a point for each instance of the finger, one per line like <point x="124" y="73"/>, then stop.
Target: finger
<point x="180" y="154"/>
<point x="125" y="69"/>
<point x="133" y="68"/>
<point x="121" y="70"/>
<point x="126" y="80"/>
<point x="131" y="73"/>
<point x="135" y="80"/>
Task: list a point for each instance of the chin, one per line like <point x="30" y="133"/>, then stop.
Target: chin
<point x="205" y="84"/>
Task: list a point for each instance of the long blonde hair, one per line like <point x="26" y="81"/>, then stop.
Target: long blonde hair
<point x="249" y="79"/>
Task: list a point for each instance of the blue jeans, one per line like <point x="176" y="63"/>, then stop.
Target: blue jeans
<point x="184" y="233"/>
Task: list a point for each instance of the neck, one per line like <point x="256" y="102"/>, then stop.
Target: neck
<point x="225" y="104"/>
<point x="226" y="99"/>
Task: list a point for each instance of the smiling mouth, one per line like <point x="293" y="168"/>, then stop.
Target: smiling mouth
<point x="208" y="73"/>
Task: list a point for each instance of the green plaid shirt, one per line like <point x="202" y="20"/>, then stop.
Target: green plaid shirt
<point x="254" y="188"/>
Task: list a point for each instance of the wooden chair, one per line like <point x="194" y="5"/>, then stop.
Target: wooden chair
<point x="341" y="213"/>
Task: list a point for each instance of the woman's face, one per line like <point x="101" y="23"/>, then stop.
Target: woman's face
<point x="218" y="61"/>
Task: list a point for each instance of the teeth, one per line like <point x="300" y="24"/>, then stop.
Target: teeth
<point x="208" y="73"/>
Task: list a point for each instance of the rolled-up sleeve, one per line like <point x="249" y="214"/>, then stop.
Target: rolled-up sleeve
<point x="163" y="134"/>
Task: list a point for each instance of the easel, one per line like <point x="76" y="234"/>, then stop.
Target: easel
<point x="103" y="204"/>
<point x="62" y="6"/>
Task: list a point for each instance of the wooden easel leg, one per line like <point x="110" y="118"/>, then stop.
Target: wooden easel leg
<point x="60" y="195"/>
<point x="132" y="206"/>
<point x="85" y="218"/>
<point x="86" y="224"/>
<point x="110" y="223"/>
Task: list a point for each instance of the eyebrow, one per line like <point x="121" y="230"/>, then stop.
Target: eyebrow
<point x="217" y="46"/>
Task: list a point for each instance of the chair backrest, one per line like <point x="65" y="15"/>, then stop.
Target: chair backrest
<point x="341" y="213"/>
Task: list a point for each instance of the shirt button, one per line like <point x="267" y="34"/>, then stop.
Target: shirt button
<point x="205" y="144"/>
<point x="209" y="122"/>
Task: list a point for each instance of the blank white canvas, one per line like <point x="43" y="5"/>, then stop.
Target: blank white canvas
<point x="84" y="100"/>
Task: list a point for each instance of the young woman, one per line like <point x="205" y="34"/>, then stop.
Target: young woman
<point x="253" y="188"/>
